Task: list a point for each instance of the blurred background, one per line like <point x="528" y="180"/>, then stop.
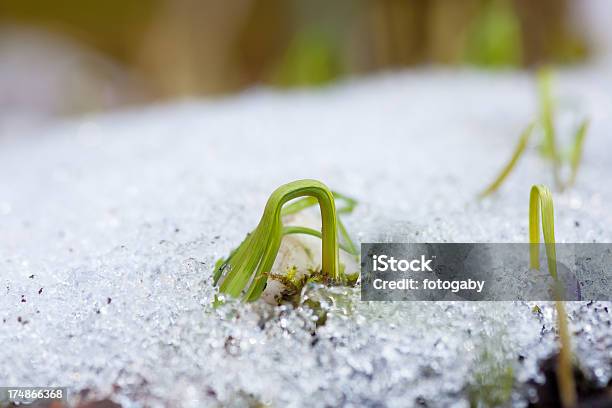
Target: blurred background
<point x="68" y="57"/>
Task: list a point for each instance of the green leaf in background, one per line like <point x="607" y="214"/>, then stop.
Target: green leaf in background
<point x="310" y="60"/>
<point x="494" y="38"/>
<point x="549" y="149"/>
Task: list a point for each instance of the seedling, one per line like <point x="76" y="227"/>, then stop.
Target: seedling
<point x="518" y="151"/>
<point x="549" y="146"/>
<point x="540" y="199"/>
<point x="248" y="267"/>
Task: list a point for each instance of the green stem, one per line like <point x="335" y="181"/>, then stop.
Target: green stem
<point x="309" y="231"/>
<point x="549" y="149"/>
<point x="347" y="208"/>
<point x="565" y="373"/>
<point x="541" y="198"/>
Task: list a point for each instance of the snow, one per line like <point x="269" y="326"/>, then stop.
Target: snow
<point x="110" y="227"/>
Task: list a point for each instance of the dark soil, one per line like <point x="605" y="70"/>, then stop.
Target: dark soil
<point x="589" y="395"/>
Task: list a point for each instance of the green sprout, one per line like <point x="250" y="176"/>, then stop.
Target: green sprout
<point x="518" y="151"/>
<point x="549" y="146"/>
<point x="540" y="199"/>
<point x="250" y="264"/>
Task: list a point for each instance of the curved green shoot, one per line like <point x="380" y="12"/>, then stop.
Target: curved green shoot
<point x="540" y="198"/>
<point x="348" y="206"/>
<point x="248" y="266"/>
<point x="516" y="155"/>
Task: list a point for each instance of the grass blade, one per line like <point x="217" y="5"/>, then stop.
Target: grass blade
<point x="549" y="147"/>
<point x="540" y="197"/>
<point x="518" y="152"/>
<point x="576" y="152"/>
